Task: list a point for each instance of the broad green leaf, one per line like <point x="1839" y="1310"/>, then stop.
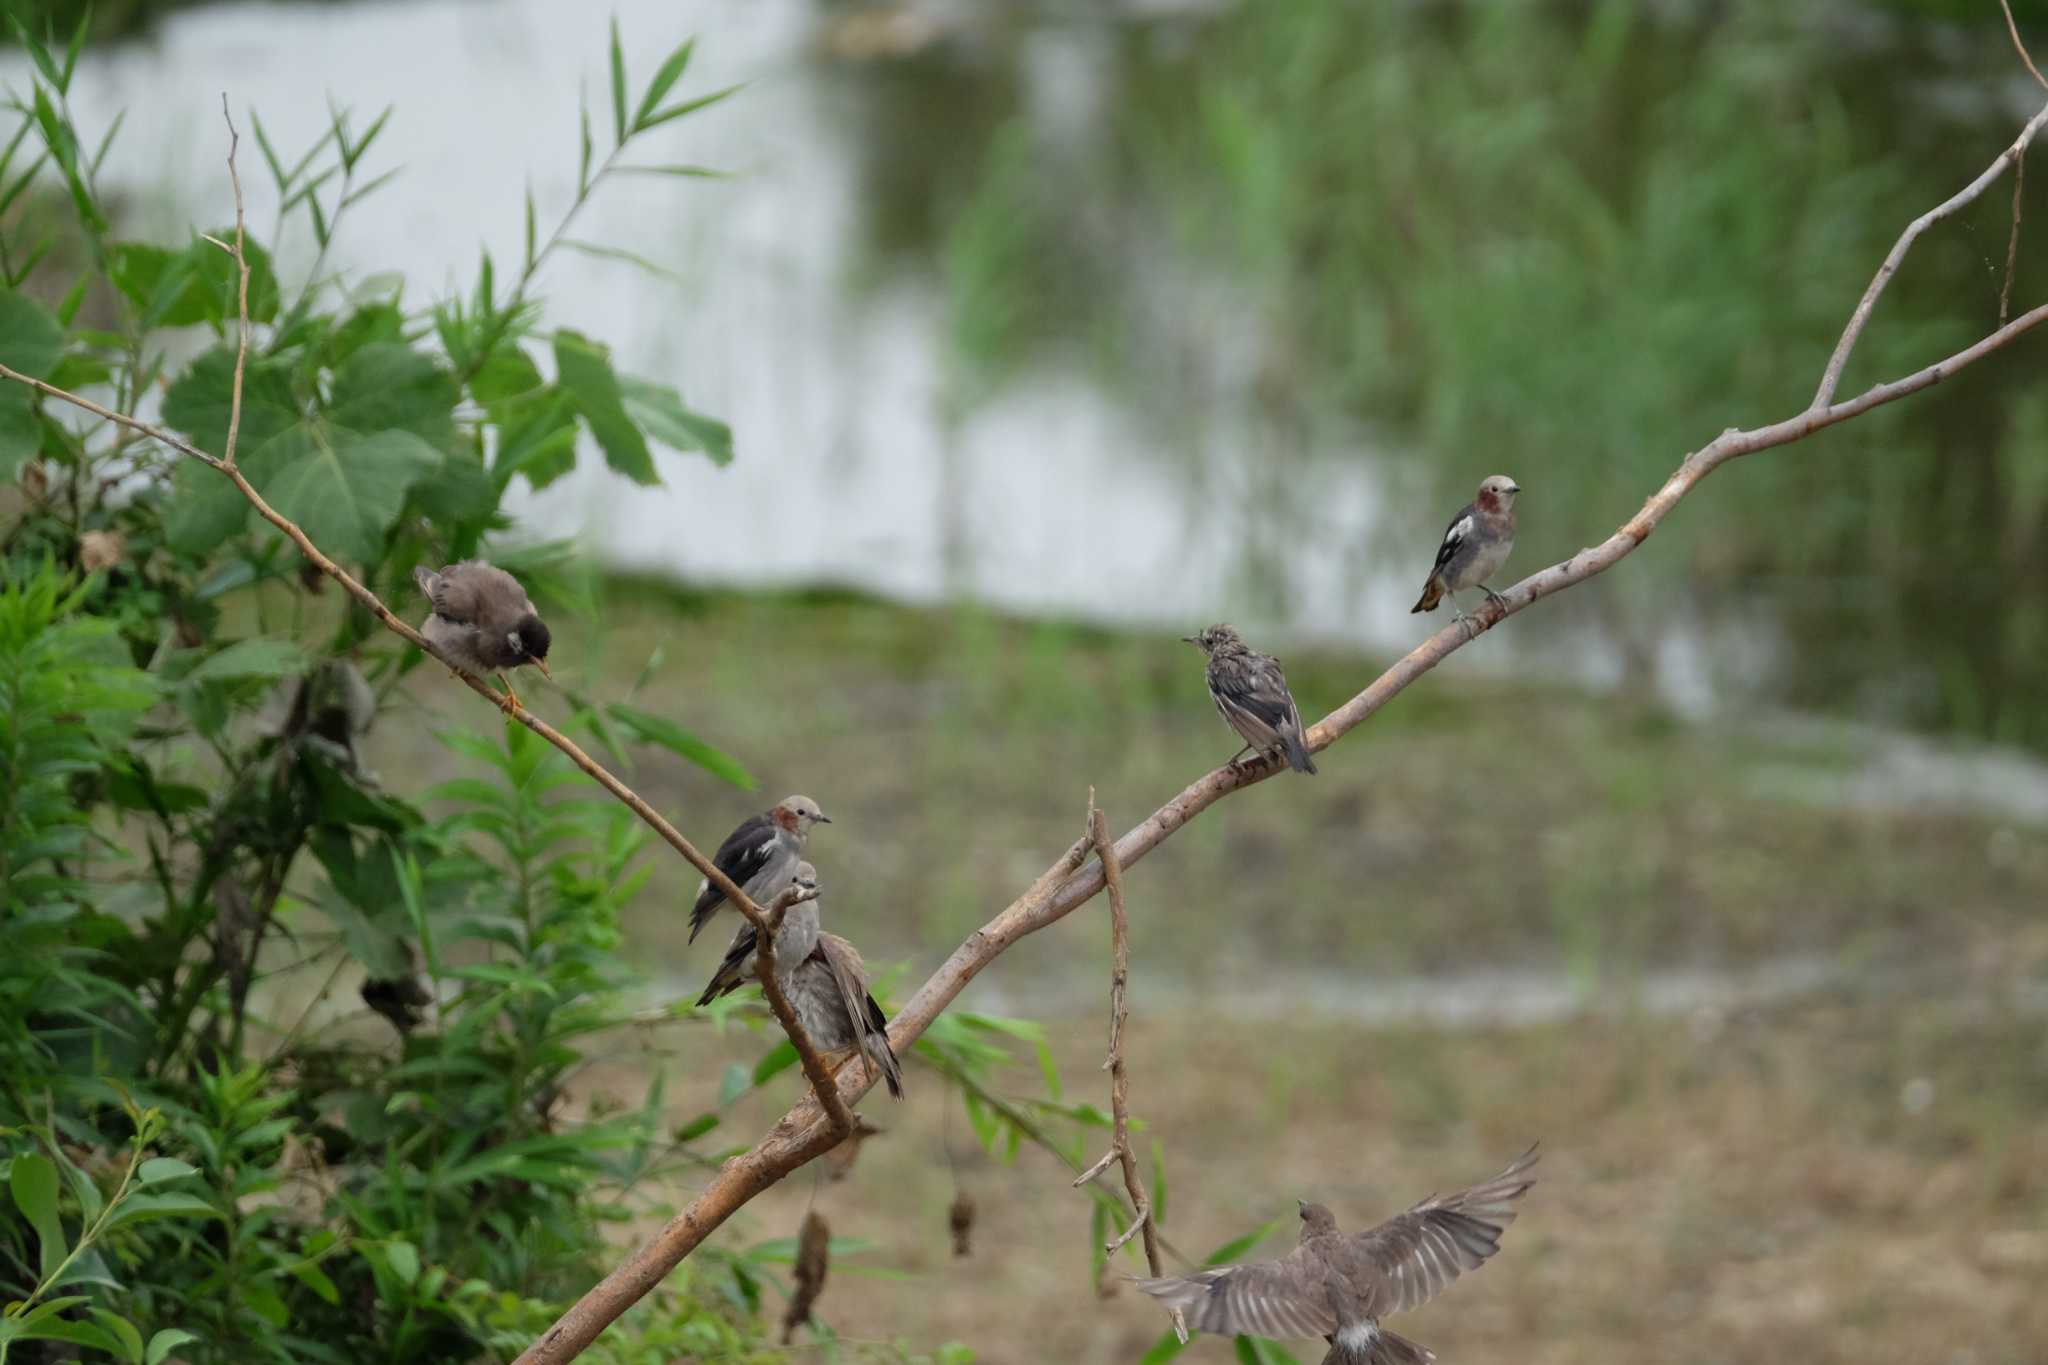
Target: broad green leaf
<point x="387" y="385"/>
<point x="197" y="284"/>
<point x="585" y="371"/>
<point x="138" y="1208"/>
<point x="33" y="1181"/>
<point x="164" y="1167"/>
<point x="736" y="1082"/>
<point x="205" y="508"/>
<point x="660" y="412"/>
<point x="536" y="437"/>
<point x="653" y="729"/>
<point x="199" y="401"/>
<point x="316" y="1279"/>
<point x="664" y="80"/>
<point x="123" y="1331"/>
<point x="344" y="490"/>
<point x="73" y="1332"/>
<point x="375" y="944"/>
<point x="30" y="341"/>
<point x="165" y="1342"/>
<point x="259" y="658"/>
<point x="461" y="492"/>
<point x="508" y="373"/>
<point x="404" y="1260"/>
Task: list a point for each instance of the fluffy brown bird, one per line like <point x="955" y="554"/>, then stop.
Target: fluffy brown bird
<point x="1339" y="1287"/>
<point x="483" y="619"/>
<point x="1250" y="690"/>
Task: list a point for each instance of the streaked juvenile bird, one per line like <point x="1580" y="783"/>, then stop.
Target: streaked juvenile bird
<point x="793" y="943"/>
<point x="760" y="856"/>
<point x="483" y="619"/>
<point x="1339" y="1287"/>
<point x="823" y="979"/>
<point x="1251" y="691"/>
<point x="1476" y="546"/>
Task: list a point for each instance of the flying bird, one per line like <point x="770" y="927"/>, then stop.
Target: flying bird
<point x="760" y="856"/>
<point x="1476" y="546"/>
<point x="1250" y="690"/>
<point x="823" y="979"/>
<point x="1339" y="1287"/>
<point x="483" y="619"/>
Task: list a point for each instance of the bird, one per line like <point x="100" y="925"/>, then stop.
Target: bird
<point x="483" y="619"/>
<point x="1339" y="1286"/>
<point x="760" y="857"/>
<point x="823" y="979"/>
<point x="1251" y="691"/>
<point x="793" y="943"/>
<point x="1476" y="546"/>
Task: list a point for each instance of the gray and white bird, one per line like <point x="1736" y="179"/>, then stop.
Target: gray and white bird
<point x="1338" y="1286"/>
<point x="483" y="619"/>
<point x="760" y="856"/>
<point x="793" y="943"/>
<point x="1250" y="690"/>
<point x="823" y="979"/>
<point x="1476" y="546"/>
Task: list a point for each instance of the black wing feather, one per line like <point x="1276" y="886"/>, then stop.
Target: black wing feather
<point x="739" y="858"/>
<point x="1451" y="543"/>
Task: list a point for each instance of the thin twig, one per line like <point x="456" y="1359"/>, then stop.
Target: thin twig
<point x="2020" y="47"/>
<point x="1119" y="1075"/>
<point x="241" y="255"/>
<point x="1831" y="377"/>
<point x="820" y="1075"/>
<point x="2012" y="243"/>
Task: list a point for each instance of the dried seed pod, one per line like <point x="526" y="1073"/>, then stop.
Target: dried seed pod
<point x="839" y="1161"/>
<point x="813" y="1257"/>
<point x="961" y="1219"/>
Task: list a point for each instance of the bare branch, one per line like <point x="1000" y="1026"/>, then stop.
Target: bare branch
<point x="799" y="1135"/>
<point x="2020" y="47"/>
<point x="1831" y="377"/>
<point x="2012" y="242"/>
<point x="241" y="255"/>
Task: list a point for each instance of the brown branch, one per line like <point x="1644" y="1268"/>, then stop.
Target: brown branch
<point x="1119" y="1077"/>
<point x="820" y="1075"/>
<point x="2020" y="47"/>
<point x="1831" y="377"/>
<point x="799" y="1135"/>
<point x="838" y="1118"/>
<point x="2012" y="242"/>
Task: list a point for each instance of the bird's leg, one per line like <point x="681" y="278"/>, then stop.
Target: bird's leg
<point x="1233" y="764"/>
<point x="1494" y="597"/>
<point x="511" y="697"/>
<point x="1457" y="612"/>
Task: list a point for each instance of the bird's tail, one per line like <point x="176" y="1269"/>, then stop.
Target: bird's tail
<point x="1297" y="752"/>
<point x="1376" y="1347"/>
<point x="874" y="1042"/>
<point x="701" y="912"/>
<point x="1432" y="593"/>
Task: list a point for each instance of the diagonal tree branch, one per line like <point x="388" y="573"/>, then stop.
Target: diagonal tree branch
<point x="801" y="1135"/>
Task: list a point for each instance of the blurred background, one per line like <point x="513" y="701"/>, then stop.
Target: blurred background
<point x="1050" y="332"/>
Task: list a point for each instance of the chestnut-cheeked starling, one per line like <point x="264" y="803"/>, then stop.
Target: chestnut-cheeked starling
<point x="760" y="856"/>
<point x="1476" y="546"/>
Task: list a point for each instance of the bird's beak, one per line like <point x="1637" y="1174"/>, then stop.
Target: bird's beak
<point x="1191" y="639"/>
<point x="1516" y="489"/>
<point x="824" y="819"/>
<point x="542" y="665"/>
<point x="1300" y="1204"/>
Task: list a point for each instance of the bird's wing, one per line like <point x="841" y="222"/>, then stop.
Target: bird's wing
<point x="1283" y="1298"/>
<point x="1258" y="692"/>
<point x="870" y="1025"/>
<point x="732" y="972"/>
<point x="1455" y="536"/>
<point x="1415" y="1255"/>
<point x="745" y="852"/>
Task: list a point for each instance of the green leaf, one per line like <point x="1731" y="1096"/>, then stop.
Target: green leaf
<point x="1158" y="1183"/>
<point x="33" y="1181"/>
<point x="344" y="490"/>
<point x="124" y="1333"/>
<point x="460" y="493"/>
<point x="664" y="80"/>
<point x="585" y="372"/>
<point x="165" y="1167"/>
<point x="676" y="111"/>
<point x="373" y="943"/>
<point x="652" y="729"/>
<point x="778" y="1059"/>
<point x="618" y="86"/>
<point x="258" y="658"/>
<point x="1235" y="1249"/>
<point x="660" y="412"/>
<point x="696" y="1128"/>
<point x="388" y="385"/>
<point x="39" y="54"/>
<point x="195" y="285"/>
<point x="137" y="1208"/>
<point x="205" y="509"/>
<point x="404" y="1260"/>
<point x="31" y="340"/>
<point x="736" y="1082"/>
<point x="198" y="403"/>
<point x="165" y="1342"/>
<point x="1166" y="1348"/>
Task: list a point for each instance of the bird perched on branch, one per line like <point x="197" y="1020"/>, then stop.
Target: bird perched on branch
<point x="1476" y="546"/>
<point x="823" y="979"/>
<point x="760" y="856"/>
<point x="793" y="943"/>
<point x="483" y="619"/>
<point x="1339" y="1287"/>
<point x="1251" y="692"/>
